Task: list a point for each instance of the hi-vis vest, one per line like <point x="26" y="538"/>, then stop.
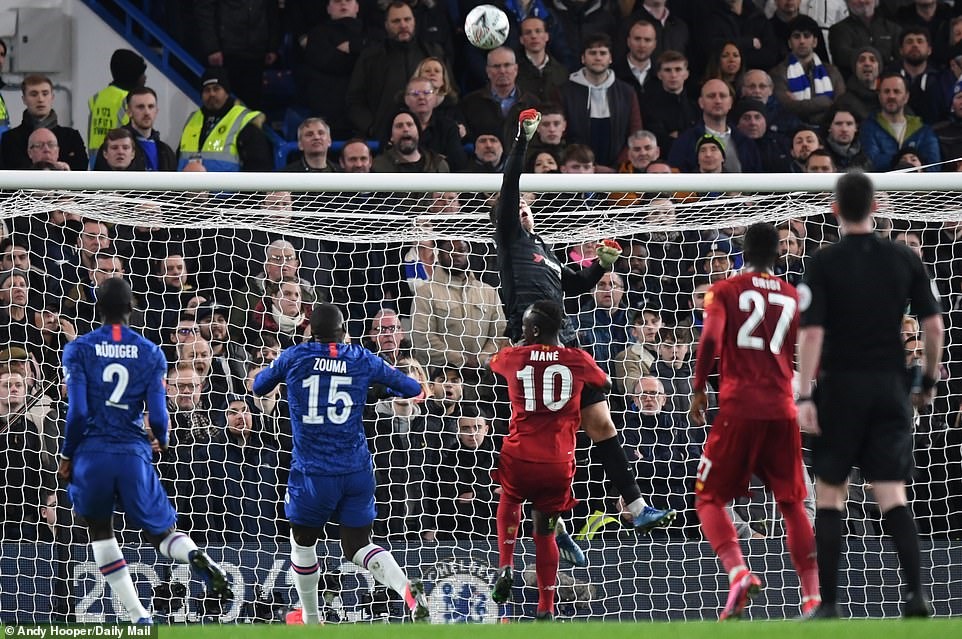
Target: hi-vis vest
<point x="108" y="110"/>
<point x="219" y="152"/>
<point x="4" y="116"/>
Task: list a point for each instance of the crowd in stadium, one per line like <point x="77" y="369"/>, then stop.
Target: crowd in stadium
<point x="721" y="86"/>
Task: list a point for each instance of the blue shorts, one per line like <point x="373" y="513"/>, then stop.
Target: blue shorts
<point x="313" y="500"/>
<point x="102" y="480"/>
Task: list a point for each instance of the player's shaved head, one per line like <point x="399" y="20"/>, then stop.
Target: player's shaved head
<point x="327" y="323"/>
<point x="542" y="322"/>
<point x="854" y="194"/>
<point x="761" y="245"/>
<point x="115" y="300"/>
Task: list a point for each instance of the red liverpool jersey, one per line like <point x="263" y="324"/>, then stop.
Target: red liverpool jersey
<point x="751" y="324"/>
<point x="545" y="384"/>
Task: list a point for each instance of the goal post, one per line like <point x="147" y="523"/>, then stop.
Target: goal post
<point x="225" y="268"/>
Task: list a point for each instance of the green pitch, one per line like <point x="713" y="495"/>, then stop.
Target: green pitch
<point x="853" y="629"/>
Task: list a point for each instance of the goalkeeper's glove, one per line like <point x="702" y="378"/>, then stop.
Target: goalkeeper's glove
<point x="529" y="120"/>
<point x="608" y="253"/>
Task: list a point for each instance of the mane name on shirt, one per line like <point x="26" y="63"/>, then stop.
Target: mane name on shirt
<point x="544" y="356"/>
<point x="330" y="365"/>
<point x="119" y="351"/>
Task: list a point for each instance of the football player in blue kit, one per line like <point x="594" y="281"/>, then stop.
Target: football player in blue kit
<point x="112" y="374"/>
<point x="332" y="474"/>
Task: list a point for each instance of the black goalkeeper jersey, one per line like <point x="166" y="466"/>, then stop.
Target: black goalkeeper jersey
<point x="529" y="269"/>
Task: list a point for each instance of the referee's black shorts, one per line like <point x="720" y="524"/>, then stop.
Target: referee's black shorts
<point x="866" y="421"/>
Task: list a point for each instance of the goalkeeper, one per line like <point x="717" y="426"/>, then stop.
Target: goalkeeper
<point x="530" y="272"/>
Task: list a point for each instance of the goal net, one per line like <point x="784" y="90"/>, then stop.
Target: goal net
<point x="225" y="269"/>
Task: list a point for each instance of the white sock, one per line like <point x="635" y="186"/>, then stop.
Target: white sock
<point x="559" y="526"/>
<point x="735" y="572"/>
<point x="383" y="567"/>
<point x="307" y="575"/>
<point x="114" y="569"/>
<point x="637" y="506"/>
<point x="178" y="547"/>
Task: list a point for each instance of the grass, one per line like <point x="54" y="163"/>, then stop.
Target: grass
<point x="849" y="629"/>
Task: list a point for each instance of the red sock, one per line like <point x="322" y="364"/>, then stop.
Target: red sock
<point x="509" y="519"/>
<point x="801" y="546"/>
<point x="720" y="533"/>
<point x="546" y="565"/>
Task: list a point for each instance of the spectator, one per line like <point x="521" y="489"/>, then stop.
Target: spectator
<point x="659" y="449"/>
<point x="790" y="265"/>
<point x="439" y="133"/>
<point x="152" y="153"/>
<point x="539" y="74"/>
<point x="784" y="12"/>
<point x="496" y="106"/>
<point x="544" y="162"/>
<point x="743" y="24"/>
<point x="228" y="357"/>
<point x="38" y="96"/>
<point x="864" y="26"/>
<point x="107" y="107"/>
<point x="185" y="331"/>
<point x="168" y="289"/>
<point x="672" y="32"/>
<point x="710" y="154"/>
<point x="891" y="129"/>
<point x="642" y="148"/>
<point x="602" y="111"/>
<point x="403" y="153"/>
<point x="43" y="150"/>
<point x="550" y="134"/>
<point x="580" y="20"/>
<point x="467" y="498"/>
<point x="820" y="161"/>
<point x="949" y="131"/>
<point x="386" y="337"/>
<point x="242" y="37"/>
<point x="17" y="327"/>
<point x="861" y="97"/>
<point x="926" y="96"/>
<point x="758" y="85"/>
<point x="313" y="140"/>
<point x="331" y="52"/>
<point x="444" y="401"/>
<point x="488" y="156"/>
<point x="636" y="68"/>
<point x="805" y="84"/>
<point x="642" y="288"/>
<point x="935" y="18"/>
<point x="456" y="318"/>
<point x="804" y="141"/>
<point x="436" y="71"/>
<point x="4" y="114"/>
<point x="244" y="488"/>
<point x="80" y="304"/>
<point x="356" y="157"/>
<point x="635" y="362"/>
<point x="222" y="134"/>
<point x="716" y="101"/>
<point x="383" y="70"/>
<point x="283" y="314"/>
<point x="603" y="323"/>
<point x="271" y="411"/>
<point x="749" y="117"/>
<point x="726" y="64"/>
<point x="15" y="254"/>
<point x="668" y="110"/>
<point x="715" y="260"/>
<point x="842" y="141"/>
<point x="119" y="149"/>
<point x="674" y="368"/>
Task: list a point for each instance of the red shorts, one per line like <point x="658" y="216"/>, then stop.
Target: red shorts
<point x="738" y="448"/>
<point x="546" y="486"/>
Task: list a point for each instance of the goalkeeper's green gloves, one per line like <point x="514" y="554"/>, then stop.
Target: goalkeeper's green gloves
<point x="608" y="253"/>
<point x="529" y="120"/>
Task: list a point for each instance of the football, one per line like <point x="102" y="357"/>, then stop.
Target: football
<point x="486" y="27"/>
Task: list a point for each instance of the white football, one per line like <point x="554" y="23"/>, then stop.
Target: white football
<point x="486" y="27"/>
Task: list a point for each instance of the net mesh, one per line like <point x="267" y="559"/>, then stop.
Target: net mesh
<point x="224" y="281"/>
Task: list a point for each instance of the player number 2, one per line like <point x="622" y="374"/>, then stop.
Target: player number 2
<point x="119" y="376"/>
<point x="754" y="301"/>
<point x="335" y="414"/>
<point x="552" y="374"/>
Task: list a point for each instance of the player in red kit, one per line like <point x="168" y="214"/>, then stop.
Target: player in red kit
<point x="751" y="324"/>
<point x="537" y="462"/>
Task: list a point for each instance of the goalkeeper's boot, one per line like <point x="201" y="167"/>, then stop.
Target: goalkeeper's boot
<point x="528" y="120"/>
<point x="501" y="592"/>
<point x="544" y="616"/>
<point x="417" y="602"/>
<point x="821" y="611"/>
<point x="651" y="518"/>
<point x="745" y="586"/>
<point x="917" y="605"/>
<point x="212" y="574"/>
<point x="569" y="552"/>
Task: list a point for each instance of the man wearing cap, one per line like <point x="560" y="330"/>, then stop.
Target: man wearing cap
<point x="949" y="131"/>
<point x="488" y="156"/>
<point x="861" y="95"/>
<point x="864" y="26"/>
<point x="108" y="107"/>
<point x="222" y="134"/>
<point x="711" y="154"/>
<point x="805" y="84"/>
<point x="750" y="118"/>
<point x="758" y="85"/>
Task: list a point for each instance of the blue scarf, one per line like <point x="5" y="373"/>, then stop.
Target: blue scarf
<point x="800" y="86"/>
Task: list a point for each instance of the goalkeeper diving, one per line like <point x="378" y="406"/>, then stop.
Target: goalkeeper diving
<point x="530" y="272"/>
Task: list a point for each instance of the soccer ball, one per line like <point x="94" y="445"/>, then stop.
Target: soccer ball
<point x="486" y="27"/>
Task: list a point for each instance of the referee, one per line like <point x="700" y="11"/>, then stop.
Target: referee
<point x="853" y="296"/>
